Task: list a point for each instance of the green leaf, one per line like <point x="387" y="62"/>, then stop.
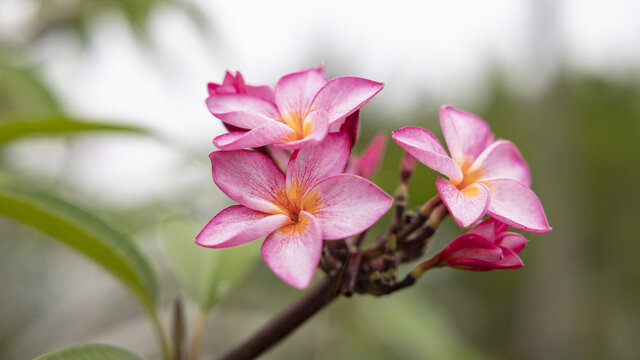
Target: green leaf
<point x="83" y="232"/>
<point x="16" y="127"/>
<point x="90" y="352"/>
<point x="206" y="274"/>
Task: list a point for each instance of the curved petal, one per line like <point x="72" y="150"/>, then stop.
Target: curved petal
<point x="517" y="205"/>
<point x="344" y="95"/>
<point x="242" y="110"/>
<point x="248" y="177"/>
<point x="237" y="225"/>
<point x="346" y="205"/>
<point x="502" y="160"/>
<point x="466" y="206"/>
<point x="269" y="133"/>
<point x="319" y="127"/>
<point x="293" y="252"/>
<point x="295" y="92"/>
<point x="367" y="163"/>
<point x="425" y="147"/>
<point x="489" y="229"/>
<point x="470" y="247"/>
<point x="513" y="241"/>
<point x="466" y="134"/>
<point x="311" y="164"/>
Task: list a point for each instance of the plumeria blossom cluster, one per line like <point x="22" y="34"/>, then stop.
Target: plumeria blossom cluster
<point x="287" y="162"/>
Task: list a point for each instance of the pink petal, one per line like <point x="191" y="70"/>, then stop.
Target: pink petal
<point x="293" y="252"/>
<point x="264" y="92"/>
<point x="489" y="229"/>
<point x="311" y="164"/>
<point x="248" y="177"/>
<point x="295" y="92"/>
<point x="237" y="225"/>
<point x="513" y="241"/>
<point x="466" y="206"/>
<point x="466" y="134"/>
<point x="369" y="161"/>
<point x="344" y="95"/>
<point x="425" y="147"/>
<point x="269" y="133"/>
<point x="502" y="160"/>
<point x="319" y="128"/>
<point x="350" y="126"/>
<point x="242" y="110"/>
<point x="517" y="205"/>
<point x="346" y="205"/>
<point x="470" y="246"/>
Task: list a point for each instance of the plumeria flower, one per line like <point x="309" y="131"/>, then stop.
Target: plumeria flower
<point x="486" y="176"/>
<point x="296" y="211"/>
<point x="306" y="107"/>
<point x="366" y="164"/>
<point x="487" y="246"/>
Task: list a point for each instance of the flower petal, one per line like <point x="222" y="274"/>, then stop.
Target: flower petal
<point x="344" y="95"/>
<point x="319" y="128"/>
<point x="466" y="206"/>
<point x="513" y="241"/>
<point x="295" y="92"/>
<point x="466" y="134"/>
<point x="248" y="177"/>
<point x="517" y="205"/>
<point x="346" y="205"/>
<point x="470" y="246"/>
<point x="502" y="160"/>
<point x="367" y="163"/>
<point x="242" y="110"/>
<point x="425" y="147"/>
<point x="311" y="164"/>
<point x="269" y="133"/>
<point x="293" y="252"/>
<point x="489" y="229"/>
<point x="237" y="225"/>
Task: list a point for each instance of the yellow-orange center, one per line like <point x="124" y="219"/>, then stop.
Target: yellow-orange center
<point x="294" y="200"/>
<point x="469" y="177"/>
<point x="299" y="124"/>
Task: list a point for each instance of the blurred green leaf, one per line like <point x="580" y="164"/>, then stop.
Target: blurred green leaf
<point x="206" y="274"/>
<point x="83" y="232"/>
<point x="23" y="92"/>
<point x="90" y="352"/>
<point x="16" y="127"/>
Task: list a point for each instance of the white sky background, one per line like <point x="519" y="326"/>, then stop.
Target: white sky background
<point x="442" y="49"/>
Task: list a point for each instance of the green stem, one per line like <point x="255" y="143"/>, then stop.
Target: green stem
<point x="162" y="336"/>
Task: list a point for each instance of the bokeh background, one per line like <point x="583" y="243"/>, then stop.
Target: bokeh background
<point x="561" y="79"/>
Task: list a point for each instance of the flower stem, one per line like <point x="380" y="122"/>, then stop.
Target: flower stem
<point x="198" y="333"/>
<point x="277" y="329"/>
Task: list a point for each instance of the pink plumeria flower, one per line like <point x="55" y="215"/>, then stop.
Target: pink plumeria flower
<point x="486" y="176"/>
<point x="306" y="107"/>
<point x="367" y="163"/>
<point x="296" y="211"/>
<point x="487" y="246"/>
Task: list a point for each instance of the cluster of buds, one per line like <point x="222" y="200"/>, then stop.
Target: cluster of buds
<point x="287" y="162"/>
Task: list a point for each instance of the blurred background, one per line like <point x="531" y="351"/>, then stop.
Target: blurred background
<point x="561" y="79"/>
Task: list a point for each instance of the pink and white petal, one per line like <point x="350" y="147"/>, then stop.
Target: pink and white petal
<point x="344" y="95"/>
<point x="237" y="225"/>
<point x="502" y="160"/>
<point x="466" y="134"/>
<point x="295" y="92"/>
<point x="467" y="206"/>
<point x="489" y="229"/>
<point x="319" y="129"/>
<point x="264" y="92"/>
<point x="424" y="146"/>
<point x="293" y="252"/>
<point x="517" y="205"/>
<point x="510" y="260"/>
<point x="269" y="133"/>
<point x="311" y="164"/>
<point x="346" y="205"/>
<point x="370" y="158"/>
<point x="219" y="105"/>
<point x="248" y="177"/>
<point x="513" y="241"/>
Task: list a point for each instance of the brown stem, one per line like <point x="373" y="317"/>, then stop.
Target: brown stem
<point x="278" y="328"/>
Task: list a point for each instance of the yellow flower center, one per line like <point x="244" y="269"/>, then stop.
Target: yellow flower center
<point x="294" y="200"/>
<point x="299" y="124"/>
